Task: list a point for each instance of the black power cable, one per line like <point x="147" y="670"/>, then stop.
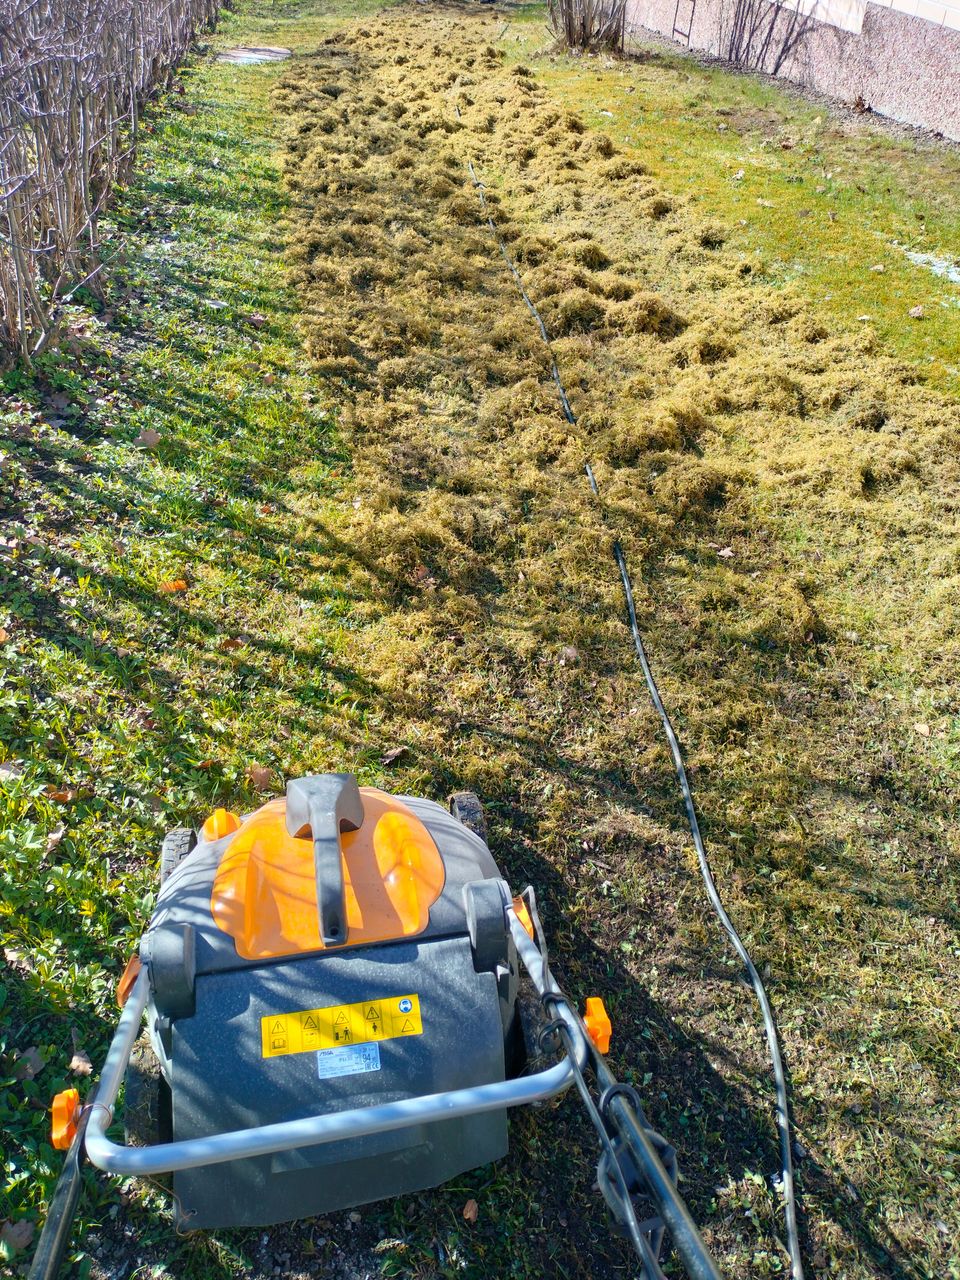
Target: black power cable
<point x="770" y="1028"/>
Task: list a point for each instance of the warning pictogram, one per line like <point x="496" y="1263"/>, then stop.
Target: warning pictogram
<point x="340" y="1025"/>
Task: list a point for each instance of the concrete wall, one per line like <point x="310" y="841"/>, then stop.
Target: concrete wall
<point x="900" y="65"/>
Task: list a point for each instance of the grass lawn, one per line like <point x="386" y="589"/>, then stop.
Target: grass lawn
<point x="833" y="201"/>
<point x="227" y="558"/>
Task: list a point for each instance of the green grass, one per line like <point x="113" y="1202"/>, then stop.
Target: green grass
<point x="121" y="710"/>
<point x="842" y="195"/>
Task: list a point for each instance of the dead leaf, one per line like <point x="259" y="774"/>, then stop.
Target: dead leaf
<point x="471" y="1211"/>
<point x="54" y="838"/>
<point x="394" y="753"/>
<point x="726" y="553"/>
<point x="229" y="643"/>
<point x="148" y="439"/>
<point x="916" y="313"/>
<point x="878" y="267"/>
<point x="261" y="776"/>
<point x="256" y="319"/>
<point x="569" y="656"/>
<point x="62" y="795"/>
<point x="269" y="379"/>
<point x="80" y="1064"/>
<point x="10" y="769"/>
<point x="4" y="635"/>
<point x="17" y="1235"/>
<point x="29" y="1064"/>
<point x="174" y="585"/>
<point x="922" y="729"/>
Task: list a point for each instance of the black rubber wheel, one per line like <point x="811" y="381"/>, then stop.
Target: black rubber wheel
<point x="523" y="1052"/>
<point x="177" y="844"/>
<point x="468" y="810"/>
<point x="147" y="1105"/>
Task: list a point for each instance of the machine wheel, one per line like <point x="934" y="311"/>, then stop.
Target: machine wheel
<point x="176" y="845"/>
<point x="147" y="1108"/>
<point x="467" y="809"/>
<point x="523" y="1052"/>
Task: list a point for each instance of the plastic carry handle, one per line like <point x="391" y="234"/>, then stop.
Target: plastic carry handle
<point x="323" y="806"/>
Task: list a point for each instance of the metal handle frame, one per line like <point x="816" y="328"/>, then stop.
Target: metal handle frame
<point x="619" y="1114"/>
<point x="312" y="1130"/>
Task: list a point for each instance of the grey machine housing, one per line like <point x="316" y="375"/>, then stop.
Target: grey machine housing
<point x="204" y="1013"/>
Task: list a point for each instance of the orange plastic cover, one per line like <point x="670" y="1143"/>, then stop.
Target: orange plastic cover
<point x="64" y="1114"/>
<point x="265" y="890"/>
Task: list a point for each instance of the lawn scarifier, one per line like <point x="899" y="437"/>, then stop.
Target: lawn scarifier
<point x="279" y="954"/>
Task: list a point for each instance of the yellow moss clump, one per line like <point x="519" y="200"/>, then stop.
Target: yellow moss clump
<point x="573" y="311"/>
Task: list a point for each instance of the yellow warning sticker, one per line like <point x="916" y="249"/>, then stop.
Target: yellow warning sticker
<point x="340" y="1025"/>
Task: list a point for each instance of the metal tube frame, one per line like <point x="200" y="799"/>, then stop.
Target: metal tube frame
<point x="619" y="1115"/>
<point x="313" y="1130"/>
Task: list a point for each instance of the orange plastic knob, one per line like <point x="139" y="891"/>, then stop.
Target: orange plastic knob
<point x="220" y="823"/>
<point x="598" y="1024"/>
<point x="65" y="1112"/>
<point x="127" y="979"/>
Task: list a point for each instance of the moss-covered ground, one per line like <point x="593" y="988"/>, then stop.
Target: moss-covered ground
<point x="259" y="524"/>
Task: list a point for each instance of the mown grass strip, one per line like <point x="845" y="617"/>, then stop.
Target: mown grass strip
<point x="168" y="615"/>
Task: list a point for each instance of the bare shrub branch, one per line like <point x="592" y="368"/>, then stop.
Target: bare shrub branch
<point x="75" y="76"/>
<point x="589" y="24"/>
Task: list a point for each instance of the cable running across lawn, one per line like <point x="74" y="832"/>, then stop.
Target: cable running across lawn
<point x="782" y="1109"/>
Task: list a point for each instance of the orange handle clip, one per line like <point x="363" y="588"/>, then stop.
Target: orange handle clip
<point x="65" y="1112"/>
<point x="598" y="1024"/>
